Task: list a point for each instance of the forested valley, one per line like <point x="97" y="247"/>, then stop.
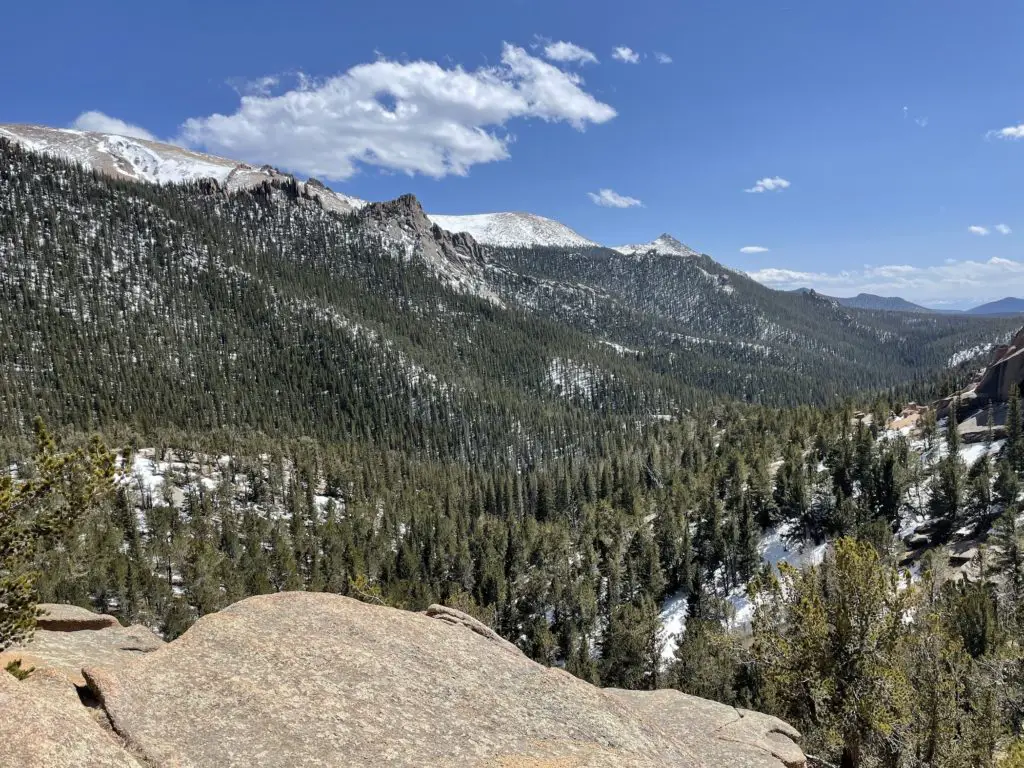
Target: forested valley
<point x="289" y="400"/>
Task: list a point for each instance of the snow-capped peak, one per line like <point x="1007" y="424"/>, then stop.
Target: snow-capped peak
<point x="514" y="230"/>
<point x="665" y="245"/>
<point x="153" y="161"/>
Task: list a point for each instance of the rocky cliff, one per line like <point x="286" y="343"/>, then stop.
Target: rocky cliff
<point x="301" y="679"/>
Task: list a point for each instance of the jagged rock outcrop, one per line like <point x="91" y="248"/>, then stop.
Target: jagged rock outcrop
<point x="57" y="617"/>
<point x="456" y="258"/>
<point x="69" y="638"/>
<point x="1005" y="373"/>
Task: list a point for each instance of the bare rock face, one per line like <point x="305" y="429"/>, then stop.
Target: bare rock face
<point x="677" y="713"/>
<point x="301" y="679"/>
<point x="460" y="619"/>
<point x="44" y="725"/>
<point x="404" y="228"/>
<point x="69" y="638"/>
<point x="1005" y="372"/>
<point x="57" y="617"/>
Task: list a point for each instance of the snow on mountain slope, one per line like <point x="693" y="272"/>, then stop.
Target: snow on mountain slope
<point x="666" y="245"/>
<point x="155" y="162"/>
<point x="514" y="230"/>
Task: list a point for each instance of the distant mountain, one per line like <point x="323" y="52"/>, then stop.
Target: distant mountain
<point x="514" y="230"/>
<point x="665" y="245"/>
<point x="1007" y="306"/>
<point x="886" y="303"/>
<point x="158" y="163"/>
<point x="871" y="301"/>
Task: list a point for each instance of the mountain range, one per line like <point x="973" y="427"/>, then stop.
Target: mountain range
<point x="161" y="163"/>
<point x="1007" y="307"/>
<point x="235" y="277"/>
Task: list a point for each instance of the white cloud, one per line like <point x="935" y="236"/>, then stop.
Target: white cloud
<point x="979" y="231"/>
<point x="964" y="282"/>
<point x="565" y="51"/>
<point x="754" y="249"/>
<point x="261" y="86"/>
<point x="769" y="184"/>
<point x="625" y="55"/>
<point x="1002" y="229"/>
<point x="662" y="58"/>
<point x="101" y="123"/>
<point x="608" y="198"/>
<point x="415" y="117"/>
<point x="1011" y="132"/>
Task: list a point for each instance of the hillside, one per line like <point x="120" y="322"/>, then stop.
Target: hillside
<point x="700" y="322"/>
<point x="1007" y="306"/>
<point x="226" y="293"/>
<point x="884" y="303"/>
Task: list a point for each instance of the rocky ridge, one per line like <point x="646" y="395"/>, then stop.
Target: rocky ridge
<point x="454" y="257"/>
<point x="320" y="680"/>
<point x="156" y="162"/>
<point x="666" y="245"/>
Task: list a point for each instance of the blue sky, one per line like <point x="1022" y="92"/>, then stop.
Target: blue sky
<point x="894" y="123"/>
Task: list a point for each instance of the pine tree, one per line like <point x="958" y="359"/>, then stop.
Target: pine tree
<point x="706" y="661"/>
<point x="827" y="645"/>
<point x="947" y="500"/>
<point x="631" y="651"/>
<point x="1014" y="431"/>
<point x="35" y="513"/>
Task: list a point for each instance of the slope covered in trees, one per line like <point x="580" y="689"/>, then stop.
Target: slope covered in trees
<point x="305" y="400"/>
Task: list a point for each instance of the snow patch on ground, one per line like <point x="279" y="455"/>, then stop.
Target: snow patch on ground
<point x="570" y="379"/>
<point x="673" y="623"/>
<point x="619" y="348"/>
<point x="774" y="549"/>
<point x="968" y="354"/>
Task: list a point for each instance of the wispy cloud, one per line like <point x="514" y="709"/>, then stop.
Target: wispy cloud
<point x="411" y="117"/>
<point x="754" y="249"/>
<point x="952" y="282"/>
<point x="609" y="198"/>
<point x="564" y="51"/>
<point x="979" y="231"/>
<point x="769" y="184"/>
<point x="101" y="123"/>
<point x="261" y="86"/>
<point x="1002" y="229"/>
<point x="921" y="121"/>
<point x="625" y="55"/>
<point x="662" y="58"/>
